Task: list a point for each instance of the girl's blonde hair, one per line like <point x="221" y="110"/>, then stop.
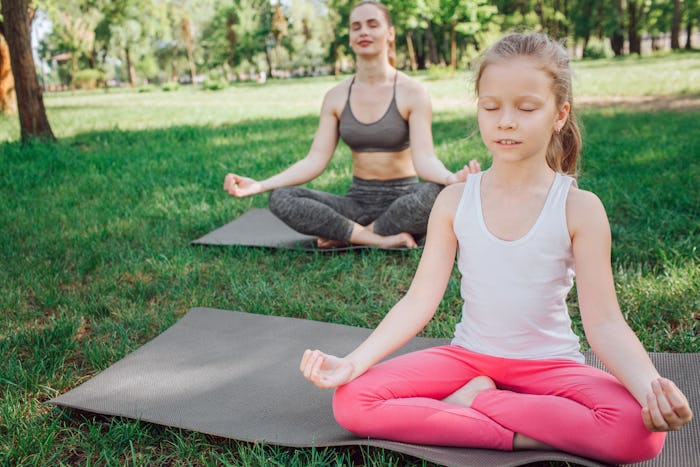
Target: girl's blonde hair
<point x="387" y="16"/>
<point x="565" y="145"/>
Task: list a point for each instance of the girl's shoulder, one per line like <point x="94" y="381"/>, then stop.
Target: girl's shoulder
<point x="450" y="196"/>
<point x="584" y="209"/>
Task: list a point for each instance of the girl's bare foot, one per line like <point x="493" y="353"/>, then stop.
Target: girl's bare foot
<point x="465" y="395"/>
<point x="523" y="442"/>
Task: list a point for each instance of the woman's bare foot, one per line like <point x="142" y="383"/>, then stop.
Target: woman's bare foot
<point x="397" y="241"/>
<point x="364" y="235"/>
<point x="465" y="395"/>
<point x="328" y="243"/>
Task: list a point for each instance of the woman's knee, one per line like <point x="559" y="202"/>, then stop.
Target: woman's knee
<point x="279" y="199"/>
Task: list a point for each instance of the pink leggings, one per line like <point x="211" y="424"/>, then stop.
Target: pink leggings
<point x="568" y="405"/>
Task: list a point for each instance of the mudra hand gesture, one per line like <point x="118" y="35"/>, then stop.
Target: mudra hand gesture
<point x="240" y="187"/>
<point x="326" y="371"/>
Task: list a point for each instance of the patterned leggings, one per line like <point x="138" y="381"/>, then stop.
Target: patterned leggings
<point x="395" y="206"/>
<point x="568" y="405"/>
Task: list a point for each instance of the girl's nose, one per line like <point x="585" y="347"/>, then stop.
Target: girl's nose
<point x="506" y="121"/>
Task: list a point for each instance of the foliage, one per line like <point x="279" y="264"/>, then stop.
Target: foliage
<point x="89" y="79"/>
<point x="162" y="41"/>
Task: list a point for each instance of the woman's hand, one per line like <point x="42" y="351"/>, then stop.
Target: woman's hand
<point x="667" y="408"/>
<point x="326" y="371"/>
<point x="239" y="186"/>
<point x="461" y="175"/>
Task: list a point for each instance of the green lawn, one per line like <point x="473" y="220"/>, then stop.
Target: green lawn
<point x="95" y="259"/>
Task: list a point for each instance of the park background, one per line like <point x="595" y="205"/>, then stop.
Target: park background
<point x="96" y="221"/>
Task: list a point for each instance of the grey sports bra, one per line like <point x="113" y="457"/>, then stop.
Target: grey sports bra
<point x="388" y="134"/>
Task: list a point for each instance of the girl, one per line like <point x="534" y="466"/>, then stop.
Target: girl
<point x="514" y="377"/>
<point x="385" y="118"/>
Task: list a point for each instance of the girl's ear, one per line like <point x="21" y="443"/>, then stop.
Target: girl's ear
<point x="562" y="116"/>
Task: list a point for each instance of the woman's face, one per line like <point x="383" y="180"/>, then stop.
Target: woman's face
<point x="370" y="33"/>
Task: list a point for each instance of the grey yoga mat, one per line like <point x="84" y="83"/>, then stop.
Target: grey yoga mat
<point x="260" y="228"/>
<point x="235" y="375"/>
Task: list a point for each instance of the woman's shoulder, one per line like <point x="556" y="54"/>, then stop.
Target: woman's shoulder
<point x="409" y="86"/>
<point x="337" y="95"/>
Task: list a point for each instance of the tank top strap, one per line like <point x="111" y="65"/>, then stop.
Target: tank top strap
<point x="350" y="90"/>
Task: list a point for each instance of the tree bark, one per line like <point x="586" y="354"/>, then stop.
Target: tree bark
<point x="617" y="40"/>
<point x="676" y="25"/>
<point x="689" y="34"/>
<point x="453" y="46"/>
<point x="130" y="68"/>
<point x="8" y="99"/>
<point x="30" y="102"/>
<point x="433" y="56"/>
<point x="411" y="50"/>
<point x="635" y="41"/>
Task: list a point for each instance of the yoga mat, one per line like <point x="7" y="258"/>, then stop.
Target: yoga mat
<point x="260" y="228"/>
<point x="235" y="375"/>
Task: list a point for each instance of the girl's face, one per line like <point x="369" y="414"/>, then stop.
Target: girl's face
<point x="517" y="110"/>
<point x="369" y="30"/>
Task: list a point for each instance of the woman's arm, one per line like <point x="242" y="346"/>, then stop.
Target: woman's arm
<point x="427" y="165"/>
<point x="613" y="341"/>
<point x="304" y="170"/>
<point x="410" y="314"/>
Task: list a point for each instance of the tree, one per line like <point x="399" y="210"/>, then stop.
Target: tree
<point x="30" y="102"/>
<point x="8" y="99"/>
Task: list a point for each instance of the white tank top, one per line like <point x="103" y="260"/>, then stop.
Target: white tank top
<point x="515" y="292"/>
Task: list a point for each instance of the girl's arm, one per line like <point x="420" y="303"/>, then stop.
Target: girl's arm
<point x="664" y="407"/>
<point x="410" y="314"/>
<point x="427" y="165"/>
<point x="304" y="170"/>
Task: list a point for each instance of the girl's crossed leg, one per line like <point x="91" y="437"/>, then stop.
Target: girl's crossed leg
<point x="565" y="404"/>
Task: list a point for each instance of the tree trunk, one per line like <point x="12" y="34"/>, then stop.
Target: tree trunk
<point x="411" y="51"/>
<point x="433" y="56"/>
<point x="676" y="25"/>
<point x="130" y="68"/>
<point x="617" y="40"/>
<point x="633" y="38"/>
<point x="453" y="46"/>
<point x="689" y="34"/>
<point x="189" y="47"/>
<point x="8" y="99"/>
<point x="30" y="103"/>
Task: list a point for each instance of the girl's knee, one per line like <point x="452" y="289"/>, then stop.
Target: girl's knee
<point x="629" y="441"/>
<point x="347" y="408"/>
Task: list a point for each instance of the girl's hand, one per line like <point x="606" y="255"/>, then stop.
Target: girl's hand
<point x="461" y="175"/>
<point x="326" y="371"/>
<point x="667" y="407"/>
<point x="239" y="186"/>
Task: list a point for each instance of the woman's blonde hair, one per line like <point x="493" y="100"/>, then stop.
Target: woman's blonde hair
<point x="387" y="16"/>
<point x="565" y="145"/>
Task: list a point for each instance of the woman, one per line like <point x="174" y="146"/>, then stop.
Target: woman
<point x="385" y="118"/>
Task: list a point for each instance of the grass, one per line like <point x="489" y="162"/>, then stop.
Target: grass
<point x="95" y="260"/>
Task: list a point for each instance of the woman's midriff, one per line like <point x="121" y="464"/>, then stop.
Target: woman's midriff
<point x="383" y="165"/>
